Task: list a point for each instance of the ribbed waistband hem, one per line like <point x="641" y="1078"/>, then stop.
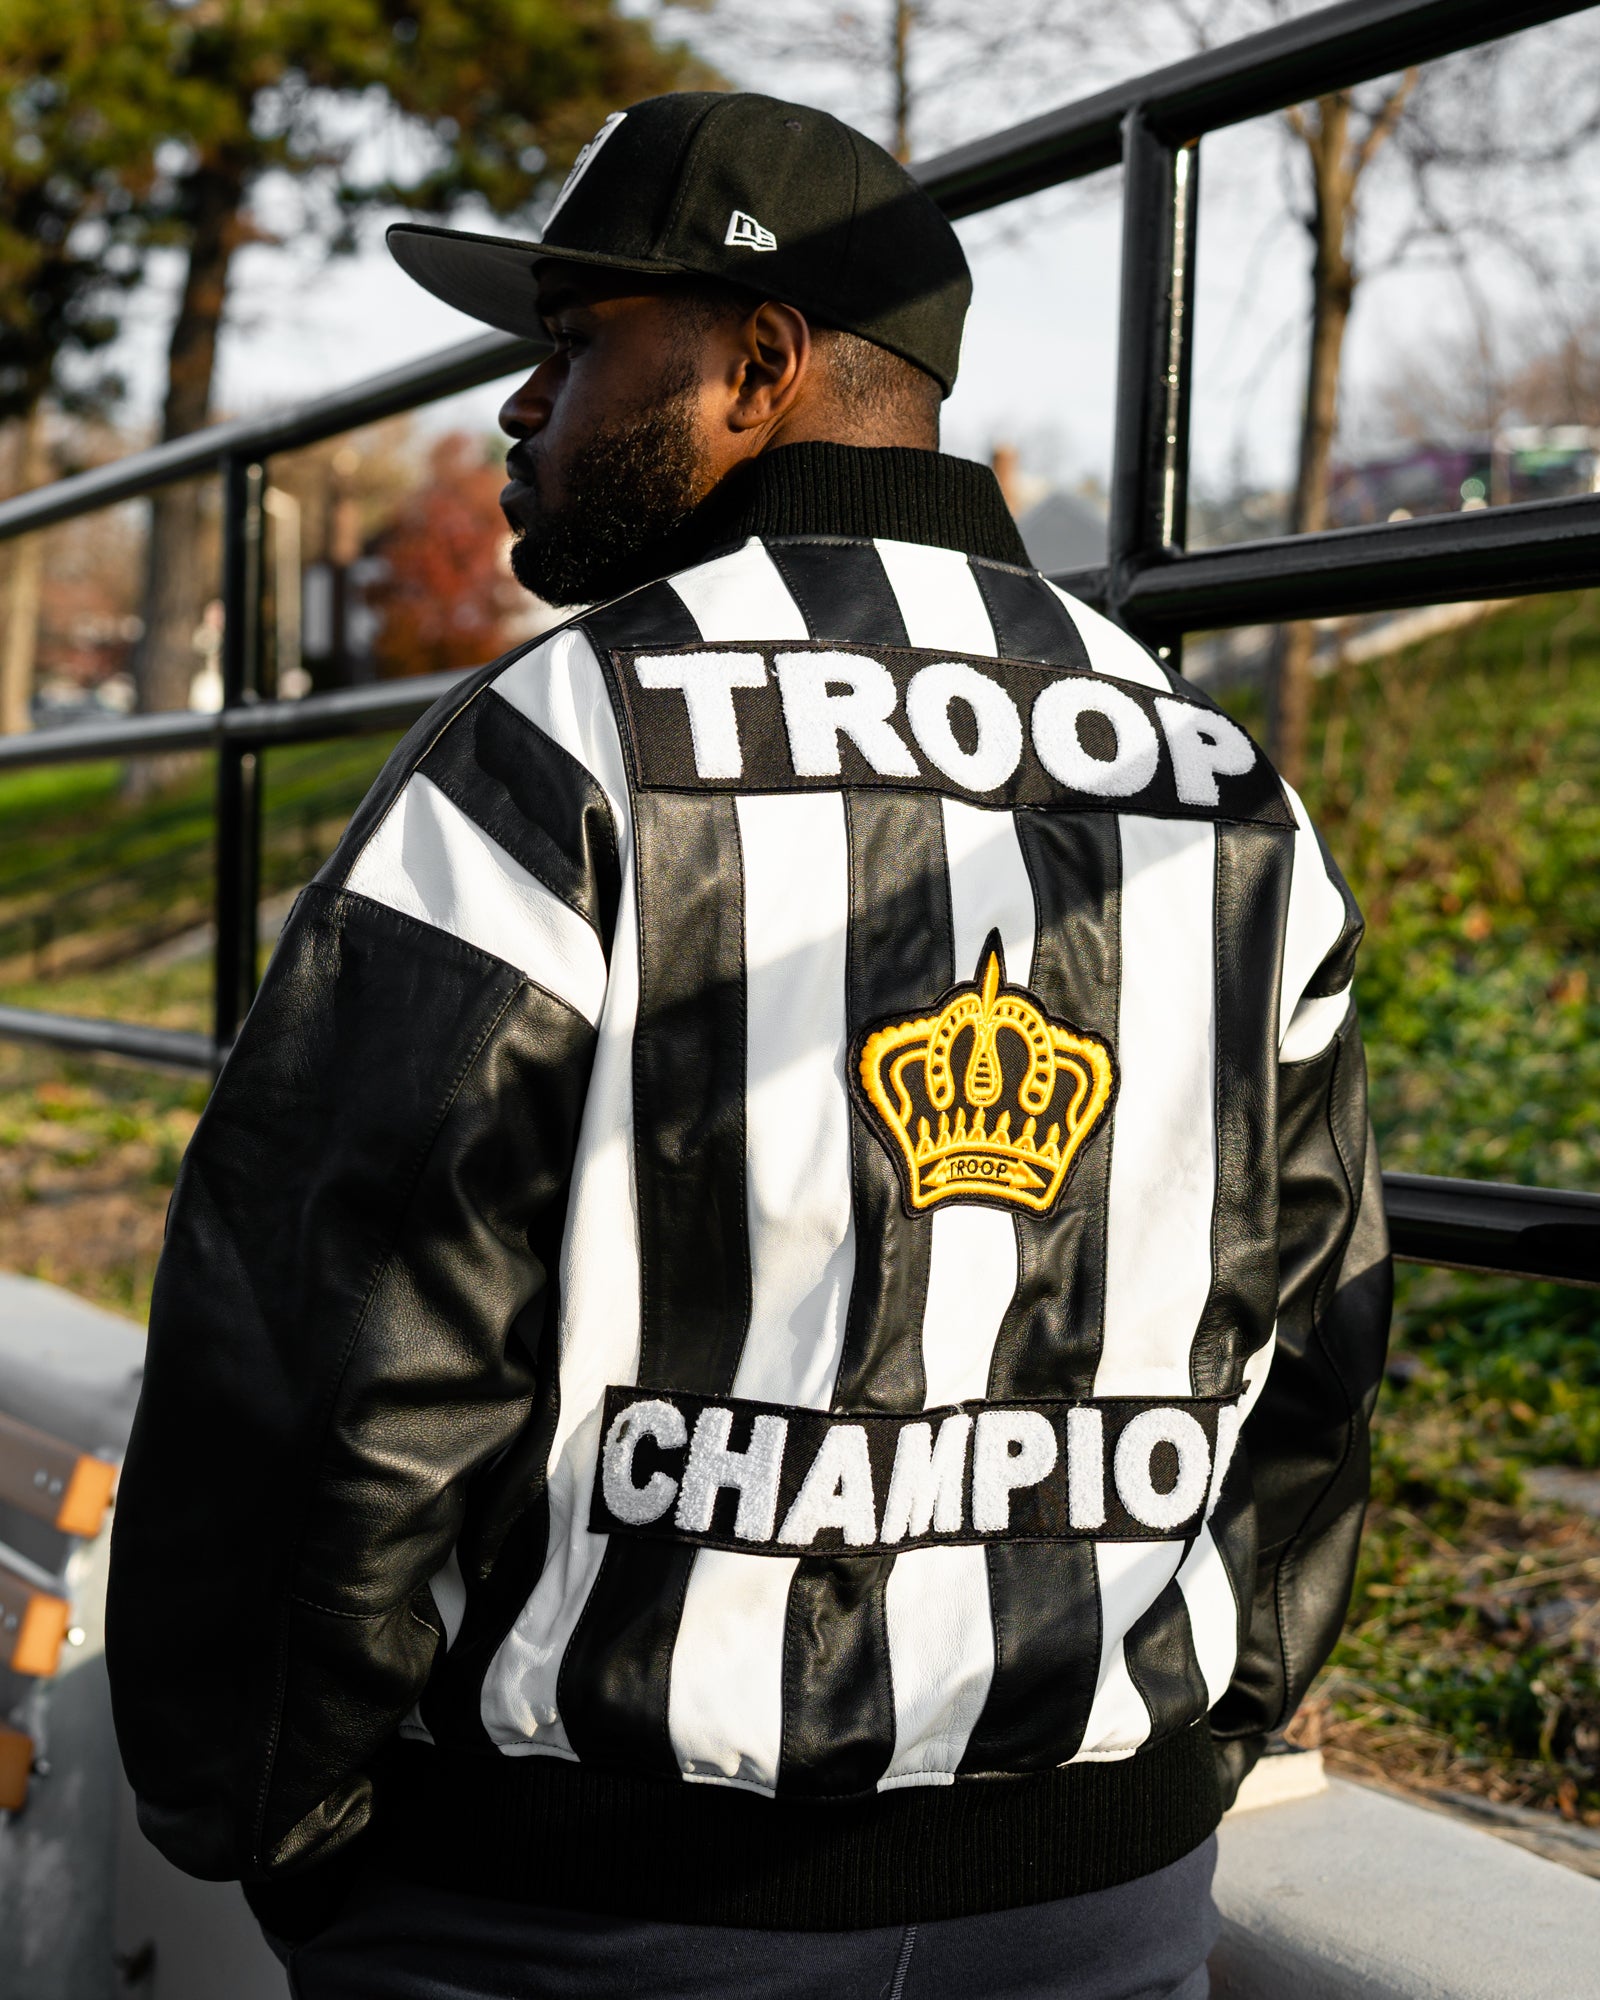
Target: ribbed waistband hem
<point x="545" y="1831"/>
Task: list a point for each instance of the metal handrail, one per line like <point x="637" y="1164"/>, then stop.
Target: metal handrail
<point x="247" y="440"/>
<point x="1150" y="124"/>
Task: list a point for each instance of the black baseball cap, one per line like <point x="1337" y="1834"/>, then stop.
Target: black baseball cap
<point x="781" y="199"/>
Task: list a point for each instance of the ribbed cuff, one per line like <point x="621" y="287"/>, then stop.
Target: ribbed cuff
<point x="544" y="1831"/>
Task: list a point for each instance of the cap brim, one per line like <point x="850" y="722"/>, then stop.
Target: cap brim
<point x="492" y="277"/>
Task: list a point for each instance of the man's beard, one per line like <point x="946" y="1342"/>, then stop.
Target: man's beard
<point x="627" y="496"/>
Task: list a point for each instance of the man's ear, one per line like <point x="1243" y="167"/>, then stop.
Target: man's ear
<point x="773" y="355"/>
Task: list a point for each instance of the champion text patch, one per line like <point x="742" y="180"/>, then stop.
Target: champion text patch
<point x="735" y="718"/>
<point x="720" y="1473"/>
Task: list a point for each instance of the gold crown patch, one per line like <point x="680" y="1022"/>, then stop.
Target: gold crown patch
<point x="989" y="1099"/>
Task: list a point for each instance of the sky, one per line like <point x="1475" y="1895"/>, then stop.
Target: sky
<point x="1039" y="359"/>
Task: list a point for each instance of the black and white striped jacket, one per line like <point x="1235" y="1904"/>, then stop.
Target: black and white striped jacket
<point x="795" y="1215"/>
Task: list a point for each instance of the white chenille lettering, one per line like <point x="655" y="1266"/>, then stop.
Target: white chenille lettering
<point x="816" y="712"/>
<point x="1135" y="1487"/>
<point x="1014" y="1448"/>
<point x="926" y="1484"/>
<point x="836" y="1492"/>
<point x="635" y="1504"/>
<point x="753" y="1474"/>
<point x="999" y="747"/>
<point x="1061" y="751"/>
<point x="1086" y="1468"/>
<point x="1204" y="745"/>
<point x="707" y="681"/>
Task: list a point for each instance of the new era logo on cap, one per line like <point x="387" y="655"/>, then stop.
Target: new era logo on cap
<point x="745" y="233"/>
<point x="730" y="185"/>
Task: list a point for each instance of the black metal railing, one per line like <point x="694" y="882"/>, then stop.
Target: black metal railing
<point x="1152" y="126"/>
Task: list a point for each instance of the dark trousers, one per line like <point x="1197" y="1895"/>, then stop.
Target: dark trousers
<point x="1144" y="1940"/>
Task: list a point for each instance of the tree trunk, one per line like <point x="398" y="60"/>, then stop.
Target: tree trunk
<point x="175" y="591"/>
<point x="1333" y="286"/>
<point x="25" y="584"/>
<point x="900" y="72"/>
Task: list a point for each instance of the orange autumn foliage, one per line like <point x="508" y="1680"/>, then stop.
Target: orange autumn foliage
<point x="448" y="593"/>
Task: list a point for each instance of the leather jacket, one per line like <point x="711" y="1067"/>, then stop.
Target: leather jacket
<point x="789" y="1263"/>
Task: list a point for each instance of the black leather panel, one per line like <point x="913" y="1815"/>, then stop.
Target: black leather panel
<point x="838" y="1699"/>
<point x="1030" y="622"/>
<point x="355" y="1277"/>
<point x="843" y="592"/>
<point x="616" y="1674"/>
<point x="1045" y="1604"/>
<point x="1160" y="1656"/>
<point x="1306" y="1439"/>
<point x="1253" y="866"/>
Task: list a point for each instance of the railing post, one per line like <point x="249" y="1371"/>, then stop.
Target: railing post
<point x="238" y="770"/>
<point x="1150" y="453"/>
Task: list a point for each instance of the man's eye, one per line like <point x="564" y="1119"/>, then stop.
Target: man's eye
<point x="567" y="339"/>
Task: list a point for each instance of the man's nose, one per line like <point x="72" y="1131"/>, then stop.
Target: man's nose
<point x="526" y="411"/>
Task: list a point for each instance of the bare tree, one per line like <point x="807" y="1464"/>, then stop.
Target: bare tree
<point x="1450" y="163"/>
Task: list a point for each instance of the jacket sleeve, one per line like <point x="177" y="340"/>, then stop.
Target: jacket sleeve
<point x="360" y="1261"/>
<point x="1303" y="1447"/>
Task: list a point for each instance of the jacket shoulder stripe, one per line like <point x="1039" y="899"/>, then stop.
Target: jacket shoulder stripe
<point x="843" y="592"/>
<point x="536" y="800"/>
<point x="740" y="596"/>
<point x="559" y="687"/>
<point x="1319" y="917"/>
<point x="429" y="860"/>
<point x="1030" y="620"/>
<point x="940" y="603"/>
<point x="1111" y="650"/>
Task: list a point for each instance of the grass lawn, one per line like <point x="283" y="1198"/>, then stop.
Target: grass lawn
<point x="1457" y="786"/>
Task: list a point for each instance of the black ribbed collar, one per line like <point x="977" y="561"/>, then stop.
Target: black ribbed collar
<point x="839" y="489"/>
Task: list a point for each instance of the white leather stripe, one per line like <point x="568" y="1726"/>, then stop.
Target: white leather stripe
<point x="1163" y="1137"/>
<point x="725" y="1712"/>
<point x="1315" y="919"/>
<point x="560" y="689"/>
<point x="1213" y="1614"/>
<point x="598" y="1336"/>
<point x="941" y="1660"/>
<point x="939" y="598"/>
<point x="941" y="1632"/>
<point x="1158" y="1206"/>
<point x="741" y="596"/>
<point x="1132" y="1575"/>
<point x="1313" y="1026"/>
<point x="1112" y="651"/>
<point x="428" y="860"/>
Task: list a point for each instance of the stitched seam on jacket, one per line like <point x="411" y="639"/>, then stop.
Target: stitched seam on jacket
<point x="358" y="1328"/>
<point x="1319" y="1304"/>
<point x="466" y="944"/>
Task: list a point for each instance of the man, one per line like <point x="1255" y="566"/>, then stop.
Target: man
<point x="759" y="1382"/>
